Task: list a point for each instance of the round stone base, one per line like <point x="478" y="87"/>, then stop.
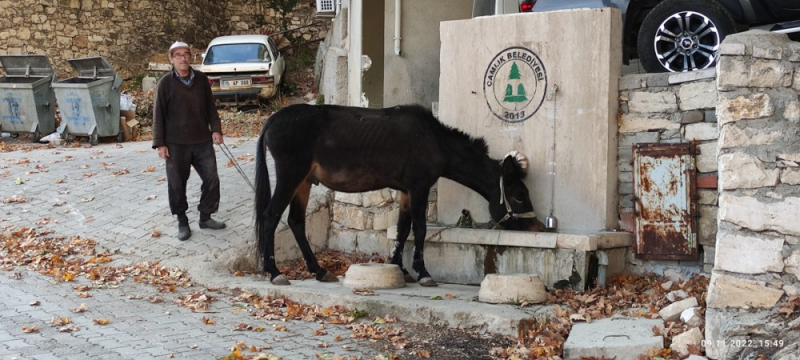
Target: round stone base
<point x="512" y="289"/>
<point x="374" y="276"/>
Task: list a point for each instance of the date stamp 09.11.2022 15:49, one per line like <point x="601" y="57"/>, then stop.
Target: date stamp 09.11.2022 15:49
<point x="744" y="343"/>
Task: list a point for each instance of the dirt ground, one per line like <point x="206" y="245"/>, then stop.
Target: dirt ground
<point x="454" y="344"/>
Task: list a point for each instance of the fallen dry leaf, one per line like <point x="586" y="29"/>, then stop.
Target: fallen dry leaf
<point x="364" y="292"/>
<point x="421" y="353"/>
<point x="34" y="303"/>
<point x="242" y="327"/>
<point x="100" y="321"/>
<point x="30" y="329"/>
<point x="68" y="328"/>
<point x="120" y="172"/>
<point x="207" y="321"/>
<point x="80" y="309"/>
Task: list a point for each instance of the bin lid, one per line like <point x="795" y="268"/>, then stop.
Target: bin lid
<point x="22" y="65"/>
<point x="93" y="67"/>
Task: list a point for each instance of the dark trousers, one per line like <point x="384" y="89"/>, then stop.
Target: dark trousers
<point x="181" y="159"/>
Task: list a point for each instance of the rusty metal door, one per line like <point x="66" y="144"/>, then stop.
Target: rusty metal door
<point x="665" y="210"/>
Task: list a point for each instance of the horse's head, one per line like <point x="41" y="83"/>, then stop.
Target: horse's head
<point x="514" y="210"/>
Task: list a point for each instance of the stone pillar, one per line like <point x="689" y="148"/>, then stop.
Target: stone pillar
<point x="757" y="259"/>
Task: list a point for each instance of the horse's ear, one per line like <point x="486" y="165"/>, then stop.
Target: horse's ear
<point x="515" y="164"/>
<point x="511" y="168"/>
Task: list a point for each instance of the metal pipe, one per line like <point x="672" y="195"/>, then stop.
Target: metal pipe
<point x="397" y="9"/>
<point x="602" y="266"/>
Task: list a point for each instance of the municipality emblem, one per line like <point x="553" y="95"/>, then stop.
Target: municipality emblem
<point x="515" y="84"/>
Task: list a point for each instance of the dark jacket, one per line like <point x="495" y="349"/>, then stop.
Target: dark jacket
<point x="182" y="114"/>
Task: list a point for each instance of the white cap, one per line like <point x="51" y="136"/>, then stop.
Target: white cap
<point x="178" y="45"/>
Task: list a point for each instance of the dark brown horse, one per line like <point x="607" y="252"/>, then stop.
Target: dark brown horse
<point x="351" y="149"/>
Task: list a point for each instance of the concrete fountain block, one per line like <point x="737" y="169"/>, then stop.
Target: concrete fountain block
<point x="512" y="289"/>
<point x="374" y="276"/>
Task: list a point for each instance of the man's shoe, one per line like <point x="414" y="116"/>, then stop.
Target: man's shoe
<point x="212" y="224"/>
<point x="184" y="232"/>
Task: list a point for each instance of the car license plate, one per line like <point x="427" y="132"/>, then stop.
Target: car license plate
<point x="235" y="83"/>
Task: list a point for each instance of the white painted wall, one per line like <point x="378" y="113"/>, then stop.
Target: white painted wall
<point x="413" y="77"/>
<point x="579" y="51"/>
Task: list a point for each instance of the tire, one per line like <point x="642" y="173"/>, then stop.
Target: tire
<point x="35" y="136"/>
<point x="94" y="139"/>
<point x="121" y="136"/>
<point x="665" y="43"/>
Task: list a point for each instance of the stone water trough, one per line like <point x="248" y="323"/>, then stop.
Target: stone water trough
<point x="466" y="256"/>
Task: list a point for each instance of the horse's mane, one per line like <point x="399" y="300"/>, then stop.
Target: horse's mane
<point x="451" y="137"/>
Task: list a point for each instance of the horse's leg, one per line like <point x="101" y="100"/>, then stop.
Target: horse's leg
<point x="285" y="188"/>
<point x="403" y="229"/>
<point x="270" y="225"/>
<point x="419" y="203"/>
<point x="297" y="222"/>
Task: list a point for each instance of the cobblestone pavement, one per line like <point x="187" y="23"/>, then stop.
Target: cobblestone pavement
<point x="117" y="195"/>
<point x="139" y="329"/>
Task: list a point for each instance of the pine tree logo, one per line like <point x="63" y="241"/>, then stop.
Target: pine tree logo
<point x="515" y="77"/>
<point x="515" y="84"/>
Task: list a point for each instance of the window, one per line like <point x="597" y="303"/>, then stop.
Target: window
<point x="236" y="53"/>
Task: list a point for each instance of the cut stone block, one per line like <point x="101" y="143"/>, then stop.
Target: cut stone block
<point x="374" y="276"/>
<point x="682" y="341"/>
<point x="512" y="289"/>
<point x="673" y="311"/>
<point x="620" y="337"/>
<point x="691" y="317"/>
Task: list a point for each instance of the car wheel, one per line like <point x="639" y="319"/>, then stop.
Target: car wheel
<point x="683" y="35"/>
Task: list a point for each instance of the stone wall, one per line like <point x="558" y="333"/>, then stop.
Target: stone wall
<point x="757" y="262"/>
<point x="128" y="32"/>
<point x="670" y="108"/>
<point x="360" y="220"/>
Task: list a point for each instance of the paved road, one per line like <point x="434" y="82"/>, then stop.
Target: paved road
<point x="116" y="194"/>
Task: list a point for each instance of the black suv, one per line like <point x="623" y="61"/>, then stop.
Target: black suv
<point x="673" y="35"/>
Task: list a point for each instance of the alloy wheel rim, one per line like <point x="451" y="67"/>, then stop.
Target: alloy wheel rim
<point x="687" y="41"/>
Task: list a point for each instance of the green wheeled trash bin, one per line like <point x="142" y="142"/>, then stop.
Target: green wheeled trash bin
<point x="89" y="103"/>
<point x="27" y="101"/>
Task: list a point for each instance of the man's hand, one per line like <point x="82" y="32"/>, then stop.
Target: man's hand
<point x="217" y="137"/>
<point x="163" y="152"/>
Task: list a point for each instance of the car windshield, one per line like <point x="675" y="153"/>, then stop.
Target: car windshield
<point x="236" y="53"/>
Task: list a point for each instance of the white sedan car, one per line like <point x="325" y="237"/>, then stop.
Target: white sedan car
<point x="243" y="69"/>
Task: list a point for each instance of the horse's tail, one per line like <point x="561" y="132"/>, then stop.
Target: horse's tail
<point x="263" y="191"/>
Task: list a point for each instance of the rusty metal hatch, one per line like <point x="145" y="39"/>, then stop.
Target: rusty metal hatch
<point x="665" y="210"/>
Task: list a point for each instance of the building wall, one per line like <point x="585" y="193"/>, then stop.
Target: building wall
<point x="413" y="76"/>
<point x="372" y="81"/>
<point x="129" y="32"/>
<point x="670" y="108"/>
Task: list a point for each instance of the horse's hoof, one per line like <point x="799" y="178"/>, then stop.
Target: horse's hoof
<point x="280" y="280"/>
<point x="329" y="277"/>
<point x="427" y="282"/>
<point x="409" y="279"/>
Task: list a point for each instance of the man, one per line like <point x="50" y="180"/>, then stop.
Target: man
<point x="185" y="127"/>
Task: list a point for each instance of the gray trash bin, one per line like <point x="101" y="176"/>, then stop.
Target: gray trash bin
<point x="27" y="102"/>
<point x="89" y="103"/>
